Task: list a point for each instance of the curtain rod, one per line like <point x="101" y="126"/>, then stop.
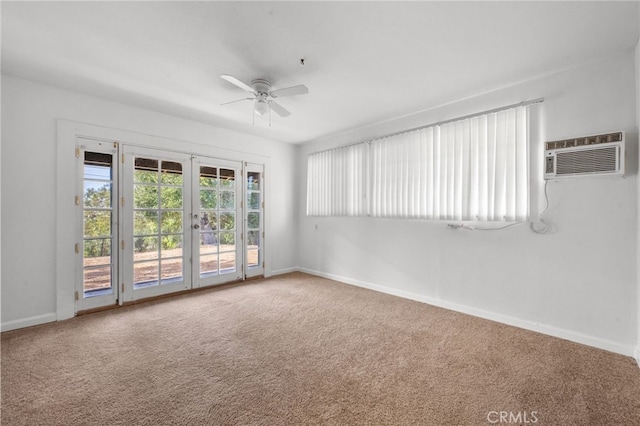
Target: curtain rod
<point x="441" y="123"/>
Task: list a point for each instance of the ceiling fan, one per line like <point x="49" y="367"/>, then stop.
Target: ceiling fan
<point x="263" y="96"/>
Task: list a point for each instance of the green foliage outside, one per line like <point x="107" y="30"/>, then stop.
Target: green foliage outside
<point x="97" y="223"/>
<point x="147" y="224"/>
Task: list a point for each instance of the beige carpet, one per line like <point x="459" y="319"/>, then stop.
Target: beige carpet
<point x="298" y="349"/>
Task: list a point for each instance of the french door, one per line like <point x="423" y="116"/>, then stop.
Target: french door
<point x="155" y="230"/>
<point x="156" y="222"/>
<point x="96" y="224"/>
<point x="216" y="220"/>
<point x="254" y="220"/>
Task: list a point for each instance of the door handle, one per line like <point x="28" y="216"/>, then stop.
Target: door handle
<point x="196" y="226"/>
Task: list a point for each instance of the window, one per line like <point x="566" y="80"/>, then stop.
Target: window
<point x="471" y="169"/>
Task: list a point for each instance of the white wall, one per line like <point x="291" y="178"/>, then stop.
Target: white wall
<point x="31" y="179"/>
<point x="577" y="282"/>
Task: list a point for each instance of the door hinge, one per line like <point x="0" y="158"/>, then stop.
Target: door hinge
<point x="77" y="200"/>
<point x="263" y="205"/>
<point x="77" y="295"/>
<point x="77" y="248"/>
<point x="241" y="236"/>
<point x="122" y="201"/>
<point x="263" y="235"/>
<point x="262" y="264"/>
<point x="115" y="144"/>
<point x="241" y="204"/>
<point x="122" y="288"/>
<point x="122" y="158"/>
<point x="122" y="244"/>
<point x="77" y="152"/>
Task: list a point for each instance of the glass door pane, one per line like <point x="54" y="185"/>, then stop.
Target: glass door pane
<point x="227" y="220"/>
<point x="98" y="232"/>
<point x="157" y="225"/>
<point x="208" y="217"/>
<point x="254" y="221"/>
<point x="146" y="206"/>
<point x="97" y="223"/>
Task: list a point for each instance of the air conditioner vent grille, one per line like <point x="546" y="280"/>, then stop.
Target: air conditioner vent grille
<point x="585" y="141"/>
<point x="604" y="160"/>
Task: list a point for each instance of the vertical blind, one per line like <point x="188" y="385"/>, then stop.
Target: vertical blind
<point x="472" y="169"/>
<point x="337" y="182"/>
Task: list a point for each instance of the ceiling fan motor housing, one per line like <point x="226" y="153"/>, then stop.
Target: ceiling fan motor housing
<point x="261" y="86"/>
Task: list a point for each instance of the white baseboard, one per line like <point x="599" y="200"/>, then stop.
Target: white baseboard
<point x="28" y="322"/>
<point x="285" y="271"/>
<point x="637" y="354"/>
<point x="505" y="319"/>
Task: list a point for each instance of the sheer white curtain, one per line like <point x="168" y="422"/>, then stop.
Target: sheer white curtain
<point x="474" y="169"/>
<point x="337" y="182"/>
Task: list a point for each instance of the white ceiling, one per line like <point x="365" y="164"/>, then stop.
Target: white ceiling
<point x="365" y="62"/>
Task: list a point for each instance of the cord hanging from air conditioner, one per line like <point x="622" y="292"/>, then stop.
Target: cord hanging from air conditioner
<point x="542" y="226"/>
<point x="469" y="227"/>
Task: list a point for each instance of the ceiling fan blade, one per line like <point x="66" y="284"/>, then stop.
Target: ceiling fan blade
<point x="278" y="109"/>
<point x="237" y="100"/>
<point x="301" y="89"/>
<point x="231" y="79"/>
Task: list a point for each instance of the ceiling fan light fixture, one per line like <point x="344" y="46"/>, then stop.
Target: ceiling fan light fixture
<point x="261" y="106"/>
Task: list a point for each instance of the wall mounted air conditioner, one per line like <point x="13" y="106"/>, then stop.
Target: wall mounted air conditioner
<point x="585" y="156"/>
